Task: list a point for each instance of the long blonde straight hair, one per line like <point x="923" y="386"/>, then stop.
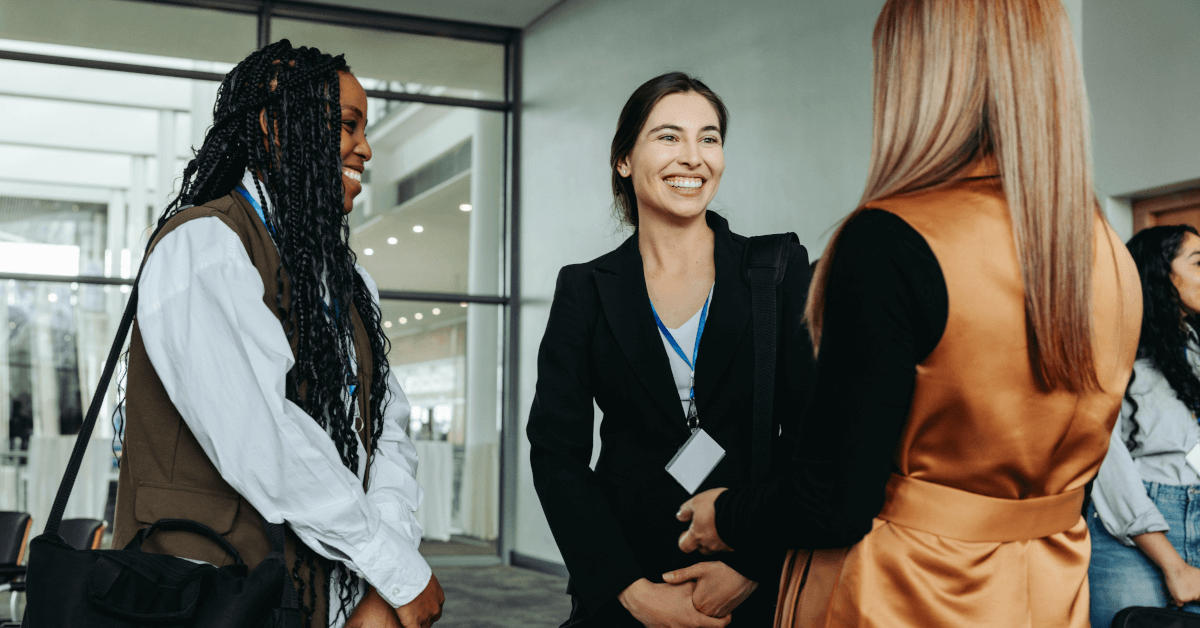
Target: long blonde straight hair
<point x="959" y="80"/>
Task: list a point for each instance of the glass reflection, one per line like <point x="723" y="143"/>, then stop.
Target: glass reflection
<point x="445" y="356"/>
<point x="431" y="217"/>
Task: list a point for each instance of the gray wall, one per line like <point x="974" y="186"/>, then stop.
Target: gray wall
<point x="1142" y="65"/>
<point x="796" y="78"/>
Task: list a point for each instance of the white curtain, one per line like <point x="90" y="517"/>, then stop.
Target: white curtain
<point x="435" y="472"/>
<point x="48" y="457"/>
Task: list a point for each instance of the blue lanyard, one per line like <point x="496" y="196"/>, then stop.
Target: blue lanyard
<point x="258" y="208"/>
<point x="693" y="421"/>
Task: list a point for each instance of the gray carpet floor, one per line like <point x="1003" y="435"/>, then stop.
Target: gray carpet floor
<point x="502" y="597"/>
<point x="487" y="597"/>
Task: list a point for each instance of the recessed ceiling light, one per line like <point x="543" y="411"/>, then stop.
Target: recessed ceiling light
<point x="418" y="228"/>
<point x="465" y="207"/>
<point x="387" y="324"/>
<point x="392" y="240"/>
<point x="418" y="316"/>
<point x="463" y="304"/>
<point x="403" y="321"/>
<point x="368" y="251"/>
<point x="53" y="297"/>
<point x="436" y="311"/>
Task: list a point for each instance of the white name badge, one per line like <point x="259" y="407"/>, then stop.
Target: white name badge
<point x="1193" y="458"/>
<point x="695" y="460"/>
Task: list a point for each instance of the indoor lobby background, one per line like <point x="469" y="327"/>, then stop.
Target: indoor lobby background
<point x="490" y="124"/>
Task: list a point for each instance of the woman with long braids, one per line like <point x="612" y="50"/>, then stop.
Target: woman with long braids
<point x="1145" y="495"/>
<point x="258" y="385"/>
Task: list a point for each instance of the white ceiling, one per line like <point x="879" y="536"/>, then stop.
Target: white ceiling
<point x="515" y="13"/>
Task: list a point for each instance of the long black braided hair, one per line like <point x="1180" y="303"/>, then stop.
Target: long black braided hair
<point x="302" y="199"/>
<point x="1165" y="323"/>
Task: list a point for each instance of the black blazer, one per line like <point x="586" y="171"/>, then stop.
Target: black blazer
<point x="617" y="524"/>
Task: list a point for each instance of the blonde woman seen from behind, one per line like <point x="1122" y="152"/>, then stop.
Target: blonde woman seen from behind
<point x="976" y="320"/>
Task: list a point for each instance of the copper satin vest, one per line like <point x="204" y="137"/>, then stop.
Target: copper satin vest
<point x="981" y="526"/>
<point x="164" y="472"/>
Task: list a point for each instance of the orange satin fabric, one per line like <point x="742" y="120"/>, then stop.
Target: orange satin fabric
<point x="980" y="428"/>
<point x="965" y="516"/>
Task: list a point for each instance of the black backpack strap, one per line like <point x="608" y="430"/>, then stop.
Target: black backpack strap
<point x="765" y="264"/>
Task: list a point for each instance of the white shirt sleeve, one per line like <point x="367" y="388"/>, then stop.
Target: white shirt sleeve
<point x="392" y="484"/>
<point x="223" y="358"/>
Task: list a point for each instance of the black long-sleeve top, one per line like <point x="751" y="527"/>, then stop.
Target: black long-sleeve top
<point x="885" y="311"/>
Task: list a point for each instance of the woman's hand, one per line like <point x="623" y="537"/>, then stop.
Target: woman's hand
<point x="1183" y="580"/>
<point x="1183" y="583"/>
<point x="373" y="612"/>
<point x="702" y="534"/>
<point x="666" y="606"/>
<point x="719" y="587"/>
<point x="424" y="609"/>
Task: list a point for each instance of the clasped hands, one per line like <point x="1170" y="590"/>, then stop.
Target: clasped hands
<point x="701" y="596"/>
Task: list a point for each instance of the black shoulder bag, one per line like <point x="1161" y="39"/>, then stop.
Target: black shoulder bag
<point x="1153" y="617"/>
<point x="66" y="587"/>
<point x="765" y="264"/>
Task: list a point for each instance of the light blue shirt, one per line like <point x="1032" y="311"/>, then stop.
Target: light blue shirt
<point x="1167" y="431"/>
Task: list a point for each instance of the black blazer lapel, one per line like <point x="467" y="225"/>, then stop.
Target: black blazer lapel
<point x="621" y="283"/>
<point x="728" y="314"/>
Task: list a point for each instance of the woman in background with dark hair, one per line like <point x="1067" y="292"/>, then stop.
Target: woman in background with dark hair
<point x="258" y="384"/>
<point x="1145" y="496"/>
<point x="627" y="331"/>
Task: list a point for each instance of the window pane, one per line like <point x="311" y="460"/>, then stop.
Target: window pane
<point x="447" y="359"/>
<point x="55" y="346"/>
<point x="402" y="62"/>
<point x="149" y="30"/>
<point x="89" y="149"/>
<point x="431" y="216"/>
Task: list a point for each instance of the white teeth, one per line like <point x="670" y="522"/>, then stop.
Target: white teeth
<point x="353" y="174"/>
<point x="685" y="183"/>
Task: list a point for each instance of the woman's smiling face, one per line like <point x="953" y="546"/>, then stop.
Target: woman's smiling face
<point x="677" y="162"/>
<point x="355" y="150"/>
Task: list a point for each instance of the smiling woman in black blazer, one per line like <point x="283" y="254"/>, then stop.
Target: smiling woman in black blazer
<point x="616" y="526"/>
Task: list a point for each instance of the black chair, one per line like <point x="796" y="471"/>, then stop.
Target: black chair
<point x="14" y="538"/>
<point x="82" y="534"/>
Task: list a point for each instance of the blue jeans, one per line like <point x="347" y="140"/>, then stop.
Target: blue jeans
<point x="1121" y="576"/>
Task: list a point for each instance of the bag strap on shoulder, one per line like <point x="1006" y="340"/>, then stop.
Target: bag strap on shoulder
<point x="764" y="265"/>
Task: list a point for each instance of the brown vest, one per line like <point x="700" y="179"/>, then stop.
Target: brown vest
<point x="165" y="473"/>
<point x="981" y="525"/>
